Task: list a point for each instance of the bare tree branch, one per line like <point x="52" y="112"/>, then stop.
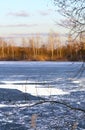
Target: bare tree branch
<point x="74" y="12"/>
<point x="58" y="102"/>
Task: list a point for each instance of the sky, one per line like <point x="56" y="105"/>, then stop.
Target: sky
<point x="21" y="17"/>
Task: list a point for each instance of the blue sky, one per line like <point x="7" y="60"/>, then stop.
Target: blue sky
<point x="28" y="16"/>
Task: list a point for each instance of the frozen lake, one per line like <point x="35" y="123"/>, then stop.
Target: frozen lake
<point x="55" y="81"/>
<point x="47" y="77"/>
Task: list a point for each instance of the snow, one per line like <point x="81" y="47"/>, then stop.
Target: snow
<point x="35" y="90"/>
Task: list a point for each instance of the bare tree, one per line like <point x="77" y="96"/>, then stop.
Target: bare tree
<point x="2" y="48"/>
<point x="32" y="45"/>
<point x="51" y="44"/>
<point x="74" y="12"/>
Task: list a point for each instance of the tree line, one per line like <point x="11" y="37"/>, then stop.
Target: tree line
<point x="37" y="49"/>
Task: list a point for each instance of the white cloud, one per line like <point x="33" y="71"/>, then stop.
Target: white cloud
<point x="21" y="13"/>
<point x="19" y="25"/>
<point x="45" y="12"/>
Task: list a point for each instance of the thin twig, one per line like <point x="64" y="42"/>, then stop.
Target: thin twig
<point x="58" y="102"/>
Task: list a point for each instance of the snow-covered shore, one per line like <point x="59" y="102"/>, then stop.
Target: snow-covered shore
<point x="19" y="114"/>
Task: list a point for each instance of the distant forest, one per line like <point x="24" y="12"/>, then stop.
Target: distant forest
<point x="36" y="49"/>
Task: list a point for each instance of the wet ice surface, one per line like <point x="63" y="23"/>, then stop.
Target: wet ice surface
<point x="51" y="81"/>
